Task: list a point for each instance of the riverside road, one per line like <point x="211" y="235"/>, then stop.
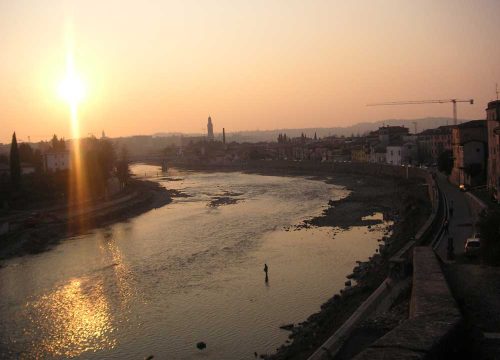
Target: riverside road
<point x="474" y="286"/>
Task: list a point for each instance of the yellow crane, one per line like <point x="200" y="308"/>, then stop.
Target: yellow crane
<point x="418" y="102"/>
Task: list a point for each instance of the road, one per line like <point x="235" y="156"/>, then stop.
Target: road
<point x="461" y="224"/>
<point x="475" y="287"/>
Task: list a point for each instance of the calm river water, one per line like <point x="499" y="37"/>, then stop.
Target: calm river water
<point x="187" y="272"/>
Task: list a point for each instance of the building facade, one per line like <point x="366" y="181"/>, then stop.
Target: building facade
<point x="394" y="154"/>
<point x="469" y="144"/>
<point x="54" y="161"/>
<point x="493" y="123"/>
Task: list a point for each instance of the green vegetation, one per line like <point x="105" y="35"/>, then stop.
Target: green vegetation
<point x="99" y="165"/>
<point x="122" y="170"/>
<point x="15" y="164"/>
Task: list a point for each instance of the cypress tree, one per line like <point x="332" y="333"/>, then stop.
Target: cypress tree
<point x="15" y="163"/>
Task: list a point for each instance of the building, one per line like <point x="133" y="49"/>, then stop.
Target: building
<point x="493" y="123"/>
<point x="57" y="160"/>
<point x="469" y="145"/>
<point x="433" y="142"/>
<point x="378" y="154"/>
<point x="360" y="154"/>
<point x="394" y="154"/>
<point x="441" y="141"/>
<point x="210" y="130"/>
<point x="389" y="134"/>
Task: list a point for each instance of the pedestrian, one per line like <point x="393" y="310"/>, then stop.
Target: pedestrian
<point x="446" y="227"/>
<point x="266" y="269"/>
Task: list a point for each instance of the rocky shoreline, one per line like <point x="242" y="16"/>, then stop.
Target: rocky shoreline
<point x="402" y="202"/>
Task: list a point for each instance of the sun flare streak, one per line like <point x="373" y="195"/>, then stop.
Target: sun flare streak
<point x="72" y="90"/>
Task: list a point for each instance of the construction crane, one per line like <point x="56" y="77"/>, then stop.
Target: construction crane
<point x="418" y="102"/>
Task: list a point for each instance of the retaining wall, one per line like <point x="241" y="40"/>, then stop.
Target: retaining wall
<point x="434" y="317"/>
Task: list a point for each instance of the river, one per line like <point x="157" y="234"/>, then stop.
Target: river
<point x="187" y="272"/>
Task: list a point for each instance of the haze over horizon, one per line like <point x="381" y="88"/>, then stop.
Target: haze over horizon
<point x="262" y="65"/>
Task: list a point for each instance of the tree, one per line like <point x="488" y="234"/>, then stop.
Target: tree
<point x="122" y="170"/>
<point x="99" y="162"/>
<point x="25" y="153"/>
<point x="15" y="163"/>
<point x="57" y="145"/>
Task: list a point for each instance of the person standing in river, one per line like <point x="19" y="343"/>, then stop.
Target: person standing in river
<point x="266" y="269"/>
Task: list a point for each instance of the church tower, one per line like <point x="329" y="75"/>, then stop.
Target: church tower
<point x="210" y="130"/>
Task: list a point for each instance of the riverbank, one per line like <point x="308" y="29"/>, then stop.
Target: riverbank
<point x="404" y="205"/>
<point x="49" y="228"/>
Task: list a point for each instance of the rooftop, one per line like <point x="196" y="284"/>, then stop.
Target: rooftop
<point x="493" y="104"/>
<point x="472" y="124"/>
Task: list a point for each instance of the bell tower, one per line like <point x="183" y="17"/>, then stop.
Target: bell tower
<point x="210" y="129"/>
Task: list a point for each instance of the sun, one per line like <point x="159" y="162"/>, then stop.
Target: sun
<point x="72" y="88"/>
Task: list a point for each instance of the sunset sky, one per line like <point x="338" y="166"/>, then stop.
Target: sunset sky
<point x="164" y="66"/>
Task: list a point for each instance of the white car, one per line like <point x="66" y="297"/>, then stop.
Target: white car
<point x="472" y="246"/>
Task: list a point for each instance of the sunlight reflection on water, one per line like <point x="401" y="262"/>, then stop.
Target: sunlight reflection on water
<point x="184" y="273"/>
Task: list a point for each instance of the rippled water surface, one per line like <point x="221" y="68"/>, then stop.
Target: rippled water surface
<point x="187" y="272"/>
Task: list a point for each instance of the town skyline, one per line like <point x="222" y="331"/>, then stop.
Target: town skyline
<point x="282" y="65"/>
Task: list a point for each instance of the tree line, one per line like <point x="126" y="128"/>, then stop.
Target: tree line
<point x="98" y="160"/>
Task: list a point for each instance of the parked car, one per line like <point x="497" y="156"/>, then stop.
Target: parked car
<point x="472" y="246"/>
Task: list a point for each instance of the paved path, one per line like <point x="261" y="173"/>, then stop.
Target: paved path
<point x="461" y="224"/>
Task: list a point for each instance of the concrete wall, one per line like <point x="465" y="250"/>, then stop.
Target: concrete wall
<point x="434" y="317"/>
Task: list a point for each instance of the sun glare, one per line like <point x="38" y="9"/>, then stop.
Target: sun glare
<point x="72" y="89"/>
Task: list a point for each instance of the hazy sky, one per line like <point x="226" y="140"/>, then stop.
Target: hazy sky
<point x="152" y="66"/>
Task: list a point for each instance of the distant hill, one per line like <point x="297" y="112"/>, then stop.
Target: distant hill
<point x="356" y="129"/>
